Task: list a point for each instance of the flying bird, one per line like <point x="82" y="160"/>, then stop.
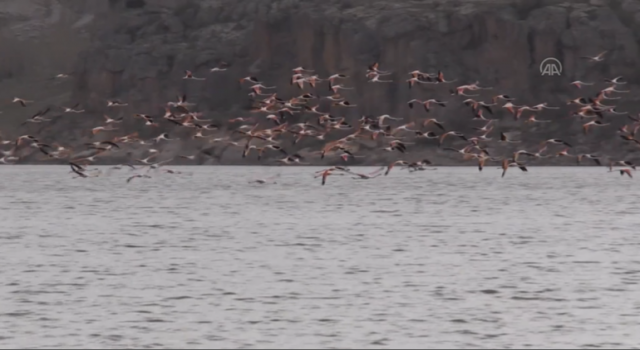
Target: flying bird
<point x="598" y="58"/>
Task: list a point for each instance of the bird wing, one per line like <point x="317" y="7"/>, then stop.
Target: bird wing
<point x="379" y="170"/>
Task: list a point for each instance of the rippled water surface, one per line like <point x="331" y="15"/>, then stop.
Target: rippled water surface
<point x="446" y="258"/>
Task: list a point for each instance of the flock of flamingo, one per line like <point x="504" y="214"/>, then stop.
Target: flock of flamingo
<point x="280" y="125"/>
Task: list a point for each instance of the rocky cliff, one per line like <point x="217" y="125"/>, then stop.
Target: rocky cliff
<point x="137" y="51"/>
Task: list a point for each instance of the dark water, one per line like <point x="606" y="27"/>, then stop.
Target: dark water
<point x="448" y="258"/>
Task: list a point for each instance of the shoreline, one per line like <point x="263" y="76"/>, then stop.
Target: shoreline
<point x="310" y="165"/>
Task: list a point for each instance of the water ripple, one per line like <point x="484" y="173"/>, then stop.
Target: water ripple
<point x="424" y="260"/>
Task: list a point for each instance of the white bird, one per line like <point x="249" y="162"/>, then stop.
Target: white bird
<point x="376" y="79"/>
<point x="8" y="159"/>
<point x="21" y="101"/>
<point x="72" y="109"/>
<point x="579" y="84"/>
<point x="615" y="81"/>
<point x="220" y="68"/>
<point x="598" y="58"/>
<point x="189" y="75"/>
<point x="116" y="103"/>
<point x="163" y="136"/>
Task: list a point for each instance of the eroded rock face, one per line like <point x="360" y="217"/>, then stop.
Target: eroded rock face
<point x="137" y="51"/>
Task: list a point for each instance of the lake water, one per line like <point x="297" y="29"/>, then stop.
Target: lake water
<point x="449" y="258"/>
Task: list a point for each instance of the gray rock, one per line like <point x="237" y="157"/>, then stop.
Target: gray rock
<point x="140" y="53"/>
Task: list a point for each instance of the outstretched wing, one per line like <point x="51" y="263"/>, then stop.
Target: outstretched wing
<point x="379" y="170"/>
